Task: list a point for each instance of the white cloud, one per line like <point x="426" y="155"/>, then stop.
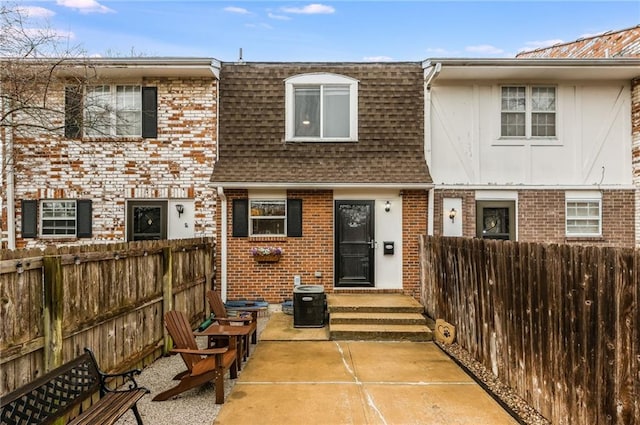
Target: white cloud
<point x="238" y="10"/>
<point x="589" y="35"/>
<point x="259" y="26"/>
<point x="47" y="32"/>
<point x="84" y="6"/>
<point x="438" y="51"/>
<point x="279" y="17"/>
<point x="35" y="12"/>
<point x="377" y="59"/>
<point x="484" y="49"/>
<point x="310" y="9"/>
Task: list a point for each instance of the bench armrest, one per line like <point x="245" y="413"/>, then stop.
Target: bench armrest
<point x="127" y="376"/>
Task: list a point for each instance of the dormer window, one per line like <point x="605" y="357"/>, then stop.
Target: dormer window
<point x="321" y="108"/>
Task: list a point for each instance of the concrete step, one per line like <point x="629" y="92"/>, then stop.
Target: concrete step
<point x="358" y="317"/>
<point x="373" y="303"/>
<point x="384" y="332"/>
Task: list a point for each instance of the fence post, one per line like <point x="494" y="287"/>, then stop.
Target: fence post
<point x="53" y="296"/>
<point x="167" y="292"/>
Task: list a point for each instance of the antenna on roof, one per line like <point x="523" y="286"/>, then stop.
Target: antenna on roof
<point x="240" y="60"/>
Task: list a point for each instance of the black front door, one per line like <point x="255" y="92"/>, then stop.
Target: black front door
<point x="354" y="233"/>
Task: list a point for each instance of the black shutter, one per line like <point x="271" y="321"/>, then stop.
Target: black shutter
<point x="240" y="218"/>
<point x="72" y="112"/>
<point x="29" y="218"/>
<point x="149" y="112"/>
<point x="294" y="218"/>
<point x="84" y="218"/>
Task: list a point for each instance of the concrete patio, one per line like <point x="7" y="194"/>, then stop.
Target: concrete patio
<point x="353" y="382"/>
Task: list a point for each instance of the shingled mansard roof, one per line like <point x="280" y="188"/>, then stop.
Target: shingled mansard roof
<point x="612" y="44"/>
<point x="390" y="146"/>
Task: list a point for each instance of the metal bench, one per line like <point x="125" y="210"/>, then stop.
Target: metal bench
<point x="58" y="392"/>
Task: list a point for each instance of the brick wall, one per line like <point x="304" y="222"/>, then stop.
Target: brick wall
<point x="312" y="252"/>
<point x="414" y="224"/>
<point x="635" y="132"/>
<point x="468" y="211"/>
<point x="541" y="216"/>
<point x="178" y="164"/>
<point x="302" y="256"/>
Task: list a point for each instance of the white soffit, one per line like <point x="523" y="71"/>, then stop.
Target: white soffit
<point x="536" y="69"/>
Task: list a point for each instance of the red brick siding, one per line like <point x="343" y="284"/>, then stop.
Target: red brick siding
<point x="414" y="224"/>
<point x="314" y="251"/>
<point x="468" y="211"/>
<point x="541" y="216"/>
<point x="303" y="256"/>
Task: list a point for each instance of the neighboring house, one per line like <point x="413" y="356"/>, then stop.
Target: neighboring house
<point x="131" y="160"/>
<point x="327" y="162"/>
<point x="614" y="44"/>
<point x="532" y="149"/>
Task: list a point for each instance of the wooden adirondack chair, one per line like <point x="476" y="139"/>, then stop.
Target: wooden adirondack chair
<point x="222" y="317"/>
<point x="203" y="365"/>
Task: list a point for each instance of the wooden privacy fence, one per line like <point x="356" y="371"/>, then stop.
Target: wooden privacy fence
<point x="110" y="298"/>
<point x="557" y="323"/>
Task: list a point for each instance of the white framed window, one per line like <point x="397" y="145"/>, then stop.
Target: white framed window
<point x="583" y="214"/>
<point x="58" y="218"/>
<point x="528" y="112"/>
<point x="321" y="108"/>
<point x="113" y="110"/>
<point x="267" y="217"/>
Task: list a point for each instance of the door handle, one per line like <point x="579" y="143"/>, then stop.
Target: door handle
<point x="372" y="244"/>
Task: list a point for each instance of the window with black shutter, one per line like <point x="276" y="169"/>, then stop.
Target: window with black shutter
<point x="149" y="112"/>
<point x="111" y="110"/>
<point x="29" y="217"/>
<point x="84" y="218"/>
<point x="240" y="218"/>
<point x="294" y="218"/>
<point x="72" y="112"/>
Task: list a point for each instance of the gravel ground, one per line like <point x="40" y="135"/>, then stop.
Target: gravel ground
<point x="505" y="395"/>
<point x="193" y="407"/>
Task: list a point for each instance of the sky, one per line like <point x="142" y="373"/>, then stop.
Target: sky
<point x="324" y="31"/>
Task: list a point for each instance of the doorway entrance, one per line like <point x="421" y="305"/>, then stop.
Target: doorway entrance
<point x="496" y="220"/>
<point x="354" y="243"/>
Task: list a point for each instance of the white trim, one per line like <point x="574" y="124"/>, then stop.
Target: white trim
<point x="320" y="79"/>
<point x="42" y="218"/>
<point x="581" y="195"/>
<point x="496" y="195"/>
<point x="531" y="187"/>
<point x="223" y="242"/>
<point x="327" y="185"/>
<point x="567" y="218"/>
<point x="430" y="212"/>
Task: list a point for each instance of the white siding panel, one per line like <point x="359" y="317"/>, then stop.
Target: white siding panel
<point x="593" y="131"/>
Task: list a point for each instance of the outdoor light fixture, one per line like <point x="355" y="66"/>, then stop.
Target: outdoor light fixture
<point x="387" y="206"/>
<point x="180" y="209"/>
<point x="452" y="214"/>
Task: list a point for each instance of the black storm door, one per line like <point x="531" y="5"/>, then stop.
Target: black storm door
<point x="147" y="220"/>
<point x="354" y="234"/>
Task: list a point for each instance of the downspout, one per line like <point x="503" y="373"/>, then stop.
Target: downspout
<point x="429" y="76"/>
<point x="11" y="195"/>
<point x="10" y="184"/>
<point x="222" y="241"/>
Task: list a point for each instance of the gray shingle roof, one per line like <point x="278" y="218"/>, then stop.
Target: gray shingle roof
<point x="252" y="128"/>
